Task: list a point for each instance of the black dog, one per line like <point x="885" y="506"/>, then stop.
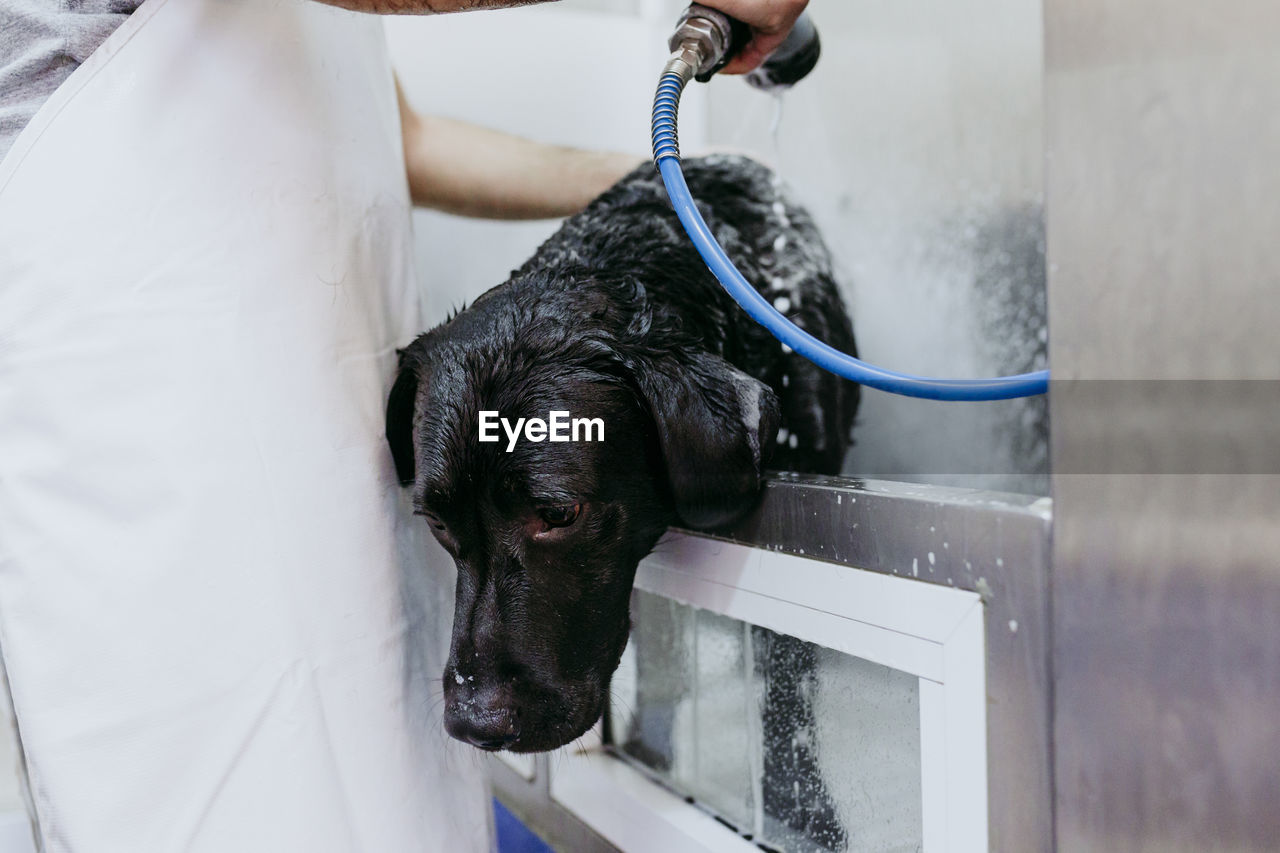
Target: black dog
<point x="617" y="318"/>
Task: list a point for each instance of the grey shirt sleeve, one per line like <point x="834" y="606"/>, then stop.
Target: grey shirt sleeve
<point x="41" y="43"/>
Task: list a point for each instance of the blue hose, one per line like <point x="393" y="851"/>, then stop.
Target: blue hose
<point x="666" y="153"/>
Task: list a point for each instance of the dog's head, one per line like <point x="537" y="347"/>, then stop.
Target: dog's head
<point x="547" y="535"/>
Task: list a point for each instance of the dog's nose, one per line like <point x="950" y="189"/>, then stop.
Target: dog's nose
<point x="486" y="718"/>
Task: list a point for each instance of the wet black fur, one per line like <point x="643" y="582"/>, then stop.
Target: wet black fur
<point x="616" y="317"/>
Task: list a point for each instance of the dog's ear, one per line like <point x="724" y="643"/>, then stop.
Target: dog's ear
<point x="400" y="408"/>
<point x="716" y="426"/>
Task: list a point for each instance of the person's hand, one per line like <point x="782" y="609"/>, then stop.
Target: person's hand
<point x="770" y="22"/>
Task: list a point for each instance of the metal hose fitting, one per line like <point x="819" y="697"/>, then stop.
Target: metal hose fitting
<point x="702" y="42"/>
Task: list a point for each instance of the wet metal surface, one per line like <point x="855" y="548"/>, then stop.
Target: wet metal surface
<point x="992" y="543"/>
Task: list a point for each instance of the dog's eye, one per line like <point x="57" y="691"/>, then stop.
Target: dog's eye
<point x="431" y="518"/>
<point x="560" y="516"/>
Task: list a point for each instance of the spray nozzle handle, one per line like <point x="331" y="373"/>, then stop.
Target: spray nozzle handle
<point x="705" y="39"/>
<point x="790" y="61"/>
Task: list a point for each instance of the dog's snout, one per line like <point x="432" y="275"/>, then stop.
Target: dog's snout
<point x="485" y="716"/>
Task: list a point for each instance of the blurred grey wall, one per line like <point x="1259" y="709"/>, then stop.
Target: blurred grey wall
<point x="1163" y="140"/>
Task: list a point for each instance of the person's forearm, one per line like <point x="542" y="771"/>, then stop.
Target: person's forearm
<point x="468" y="170"/>
<point x="424" y="7"/>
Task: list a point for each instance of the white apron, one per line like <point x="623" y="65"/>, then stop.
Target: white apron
<point x="215" y="619"/>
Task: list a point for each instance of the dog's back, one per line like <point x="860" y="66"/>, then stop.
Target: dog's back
<point x="630" y="236"/>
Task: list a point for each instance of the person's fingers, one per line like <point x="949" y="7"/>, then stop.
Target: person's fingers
<point x="770" y="21"/>
<point x="765" y="17"/>
<point x="756" y="51"/>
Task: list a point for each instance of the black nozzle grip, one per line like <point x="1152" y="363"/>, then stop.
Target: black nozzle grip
<point x="792" y="60"/>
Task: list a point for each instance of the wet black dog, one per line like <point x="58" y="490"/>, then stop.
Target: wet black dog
<point x="616" y="318"/>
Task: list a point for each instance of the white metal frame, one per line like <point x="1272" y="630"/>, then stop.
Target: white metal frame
<point x="930" y="631"/>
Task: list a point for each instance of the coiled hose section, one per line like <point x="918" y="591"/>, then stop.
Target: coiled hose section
<point x="666" y="154"/>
